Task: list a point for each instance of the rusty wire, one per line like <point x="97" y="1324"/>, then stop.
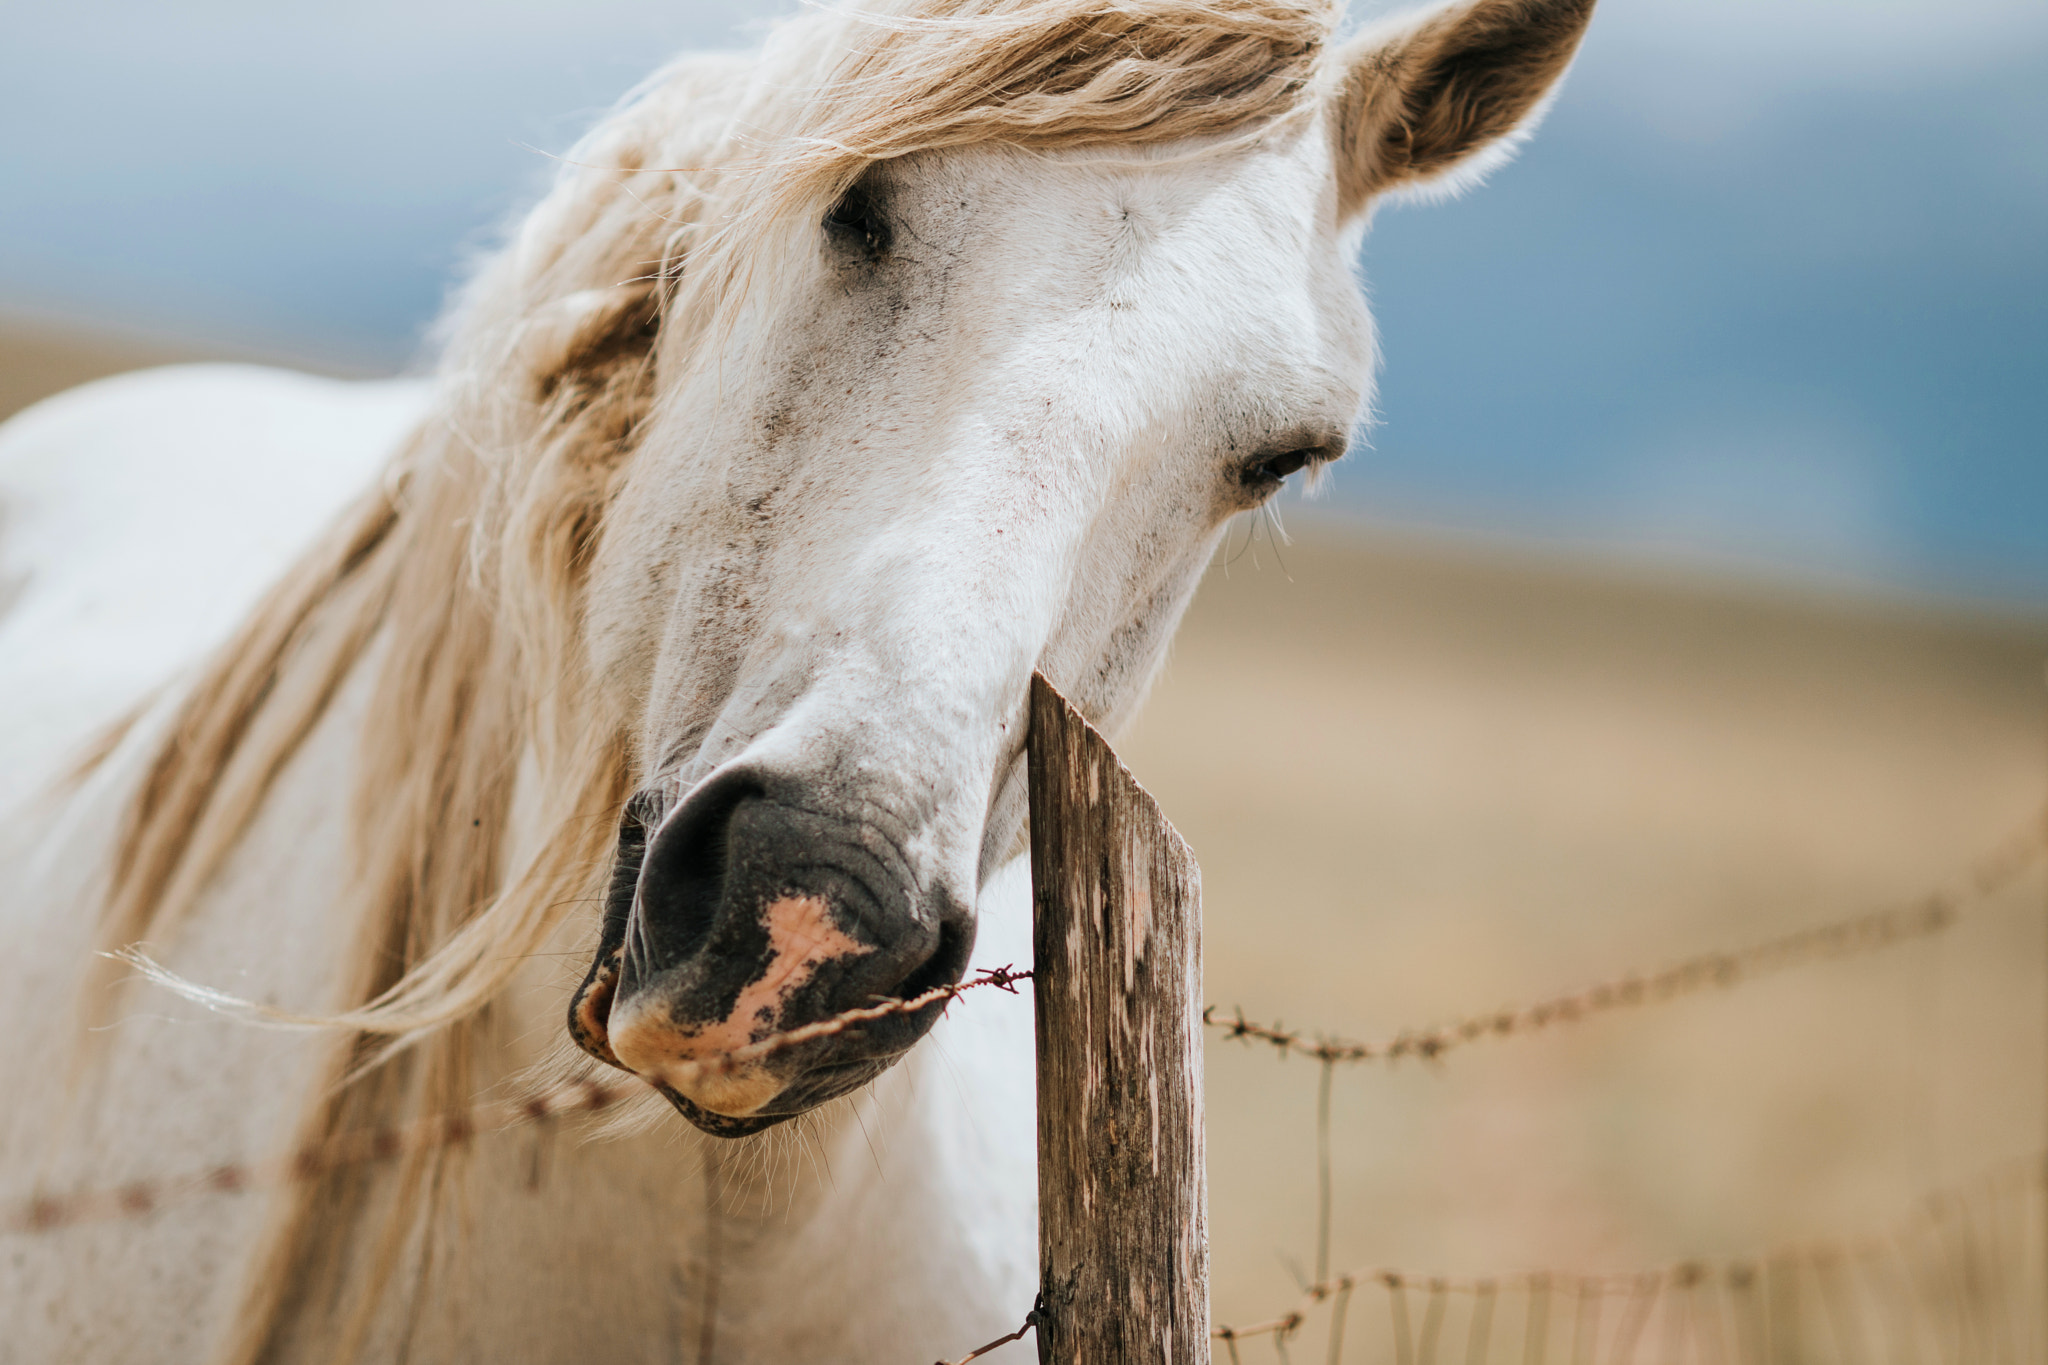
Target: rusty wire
<point x="1678" y="1309"/>
<point x="46" y="1212"/>
<point x="725" y="1063"/>
<point x="1641" y="1291"/>
<point x="1030" y="1321"/>
<point x="1858" y="934"/>
<point x="1944" y="1236"/>
<point x="138" y="1198"/>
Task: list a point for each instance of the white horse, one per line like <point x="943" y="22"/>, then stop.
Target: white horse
<point x="669" y="674"/>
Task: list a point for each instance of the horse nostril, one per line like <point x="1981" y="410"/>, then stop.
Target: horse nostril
<point x="947" y="963"/>
<point x="682" y="879"/>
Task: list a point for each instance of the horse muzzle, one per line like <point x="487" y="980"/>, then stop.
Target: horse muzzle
<point x="745" y="914"/>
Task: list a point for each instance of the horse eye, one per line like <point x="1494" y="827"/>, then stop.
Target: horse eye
<point x="1268" y="474"/>
<point x="856" y="221"/>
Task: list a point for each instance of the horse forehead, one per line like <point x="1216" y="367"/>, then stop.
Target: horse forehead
<point x="1104" y="210"/>
<point x="1189" y="253"/>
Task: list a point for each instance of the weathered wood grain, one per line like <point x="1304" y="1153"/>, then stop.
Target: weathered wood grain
<point x="1122" y="1197"/>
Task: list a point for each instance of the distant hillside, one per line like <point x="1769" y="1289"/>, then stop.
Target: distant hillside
<point x="39" y="357"/>
<point x="37" y="360"/>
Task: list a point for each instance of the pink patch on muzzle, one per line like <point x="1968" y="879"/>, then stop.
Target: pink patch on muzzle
<point x="801" y="938"/>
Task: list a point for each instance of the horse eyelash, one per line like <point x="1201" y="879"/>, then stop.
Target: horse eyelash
<point x="1267" y="474"/>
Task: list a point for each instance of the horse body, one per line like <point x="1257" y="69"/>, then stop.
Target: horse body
<point x="824" y="399"/>
<point x="144" y="516"/>
<point x="129" y="535"/>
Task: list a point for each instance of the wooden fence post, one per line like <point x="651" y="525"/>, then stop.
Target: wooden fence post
<point x="1123" y="1218"/>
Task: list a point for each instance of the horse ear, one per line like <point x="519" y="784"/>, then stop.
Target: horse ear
<point x="1424" y="97"/>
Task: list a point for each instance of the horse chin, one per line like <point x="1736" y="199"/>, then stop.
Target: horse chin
<point x="805" y="1093"/>
<point x="719" y="1125"/>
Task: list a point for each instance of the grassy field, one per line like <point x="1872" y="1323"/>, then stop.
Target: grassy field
<point x="1427" y="780"/>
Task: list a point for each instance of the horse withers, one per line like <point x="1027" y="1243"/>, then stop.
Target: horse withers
<point x="662" y="663"/>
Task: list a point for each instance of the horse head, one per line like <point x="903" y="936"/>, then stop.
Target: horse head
<point x="975" y="390"/>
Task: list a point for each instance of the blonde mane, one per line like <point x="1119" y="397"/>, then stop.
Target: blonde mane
<point x="459" y="580"/>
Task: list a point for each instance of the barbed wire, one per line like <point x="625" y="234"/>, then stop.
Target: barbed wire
<point x="1849" y="937"/>
<point x="1946" y="1235"/>
<point x="1030" y="1322"/>
<point x="1930" y="915"/>
<point x="46" y="1212"/>
<point x="140" y="1198"/>
<point x="725" y="1063"/>
<point x="1933" y="914"/>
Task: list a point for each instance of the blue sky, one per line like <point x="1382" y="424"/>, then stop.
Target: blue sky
<point x="1769" y="291"/>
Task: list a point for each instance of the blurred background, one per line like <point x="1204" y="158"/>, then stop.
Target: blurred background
<point x="1693" y="586"/>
